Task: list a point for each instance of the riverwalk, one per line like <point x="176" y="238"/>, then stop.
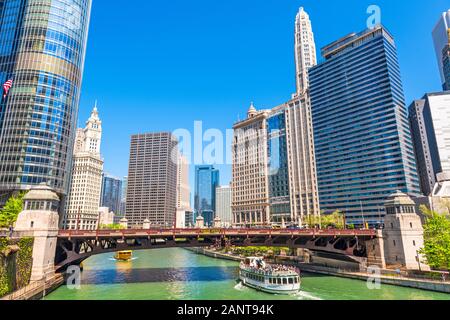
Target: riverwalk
<point x="396" y="280"/>
<point x="36" y="290"/>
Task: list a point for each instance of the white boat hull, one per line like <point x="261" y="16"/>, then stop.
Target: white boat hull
<point x="270" y="288"/>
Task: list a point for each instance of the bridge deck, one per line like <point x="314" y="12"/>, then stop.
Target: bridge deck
<point x="216" y="232"/>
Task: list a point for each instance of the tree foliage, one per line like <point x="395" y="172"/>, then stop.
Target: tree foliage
<point x="111" y="227"/>
<point x="334" y="220"/>
<point x="11" y="210"/>
<point x="437" y="239"/>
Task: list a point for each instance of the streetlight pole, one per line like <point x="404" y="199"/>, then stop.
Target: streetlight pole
<point x="363" y="217"/>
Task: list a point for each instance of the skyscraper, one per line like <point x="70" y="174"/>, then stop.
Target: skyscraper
<point x="223" y="205"/>
<point x="152" y="180"/>
<point x="183" y="194"/>
<point x="207" y="179"/>
<point x="42" y="49"/>
<point x="183" y="187"/>
<point x="430" y="126"/>
<point x="363" y="144"/>
<point x="250" y="198"/>
<point x="286" y="191"/>
<point x="111" y="193"/>
<point x="305" y="50"/>
<point x="86" y="182"/>
<point x="441" y="38"/>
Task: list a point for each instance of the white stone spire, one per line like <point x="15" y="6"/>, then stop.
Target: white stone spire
<point x="89" y="138"/>
<point x="305" y="50"/>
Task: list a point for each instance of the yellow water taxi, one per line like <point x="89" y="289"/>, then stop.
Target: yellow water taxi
<point x="124" y="255"/>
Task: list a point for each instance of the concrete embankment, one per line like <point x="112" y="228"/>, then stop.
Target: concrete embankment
<point x="36" y="290"/>
<point x="423" y="284"/>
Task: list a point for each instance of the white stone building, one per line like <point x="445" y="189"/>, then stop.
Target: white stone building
<point x="82" y="208"/>
<point x="250" y="195"/>
<point x="106" y="217"/>
<point x="305" y="50"/>
<point x="223" y="206"/>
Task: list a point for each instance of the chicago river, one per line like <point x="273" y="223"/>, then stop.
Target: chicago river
<point x="175" y="274"/>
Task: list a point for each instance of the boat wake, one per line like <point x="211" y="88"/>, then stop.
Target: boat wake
<point x="301" y="295"/>
<point x="239" y="286"/>
<point x="113" y="259"/>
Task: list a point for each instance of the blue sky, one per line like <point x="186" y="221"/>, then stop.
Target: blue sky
<point x="161" y="65"/>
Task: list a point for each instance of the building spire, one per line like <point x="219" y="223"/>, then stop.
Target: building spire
<point x="305" y="50"/>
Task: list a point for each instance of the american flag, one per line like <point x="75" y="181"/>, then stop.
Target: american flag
<point x="6" y="87"/>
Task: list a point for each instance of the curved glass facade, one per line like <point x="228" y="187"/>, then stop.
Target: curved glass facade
<point x="42" y="49"/>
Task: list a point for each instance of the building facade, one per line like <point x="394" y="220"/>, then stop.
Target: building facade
<point x="207" y="179"/>
<point x="42" y="50"/>
<point x="152" y="180"/>
<point x="82" y="208"/>
<point x="364" y="151"/>
<point x="111" y="196"/>
<point x="250" y="183"/>
<point x="106" y="217"/>
<point x="441" y="39"/>
<point x="430" y="127"/>
<point x="223" y="206"/>
<point x="286" y="191"/>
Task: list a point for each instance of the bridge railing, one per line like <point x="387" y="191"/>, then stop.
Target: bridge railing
<point x="215" y="232"/>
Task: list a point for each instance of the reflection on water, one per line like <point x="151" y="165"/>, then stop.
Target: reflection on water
<point x="124" y="275"/>
<point x="175" y="274"/>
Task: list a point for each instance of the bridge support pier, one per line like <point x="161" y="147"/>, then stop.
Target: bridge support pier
<point x="40" y="220"/>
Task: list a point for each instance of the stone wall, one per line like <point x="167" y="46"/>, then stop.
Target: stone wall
<point x="15" y="264"/>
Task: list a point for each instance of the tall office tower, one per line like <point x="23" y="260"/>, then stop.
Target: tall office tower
<point x="363" y="145"/>
<point x="430" y="126"/>
<point x="207" y="179"/>
<point x="183" y="187"/>
<point x="111" y="196"/>
<point x="305" y="50"/>
<point x="183" y="193"/>
<point x="152" y="180"/>
<point x="223" y="206"/>
<point x="82" y="208"/>
<point x="123" y="201"/>
<point x="303" y="186"/>
<point x="441" y="38"/>
<point x="278" y="171"/>
<point x="250" y="185"/>
<point x="42" y="50"/>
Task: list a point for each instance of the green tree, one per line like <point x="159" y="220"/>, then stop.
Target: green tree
<point x="11" y="210"/>
<point x="110" y="227"/>
<point x="437" y="239"/>
<point x="334" y="220"/>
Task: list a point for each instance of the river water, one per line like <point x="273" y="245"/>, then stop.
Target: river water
<point x="178" y="274"/>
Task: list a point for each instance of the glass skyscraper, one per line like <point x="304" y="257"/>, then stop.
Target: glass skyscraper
<point x="207" y="179"/>
<point x="111" y="196"/>
<point x="441" y="39"/>
<point x="363" y="144"/>
<point x="42" y="50"/>
<point x="280" y="205"/>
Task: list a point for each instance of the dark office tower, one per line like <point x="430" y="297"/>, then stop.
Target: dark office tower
<point x="111" y="196"/>
<point x="206" y="182"/>
<point x="363" y="144"/>
<point x="42" y="50"/>
<point x="152" y="180"/>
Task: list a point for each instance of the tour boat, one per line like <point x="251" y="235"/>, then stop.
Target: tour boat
<point x="124" y="255"/>
<point x="276" y="279"/>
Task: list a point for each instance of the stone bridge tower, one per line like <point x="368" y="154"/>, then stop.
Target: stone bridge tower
<point x="399" y="243"/>
<point x="39" y="220"/>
